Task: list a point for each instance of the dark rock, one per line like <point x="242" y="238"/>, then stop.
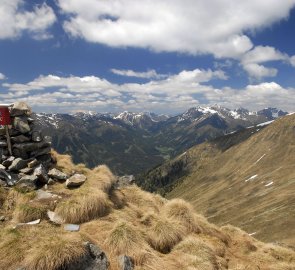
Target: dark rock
<point x="20" y="108"/>
<point x="27" y="183"/>
<point x="33" y="163"/>
<point x="36" y="136"/>
<point x="20" y="139"/>
<point x="27" y="170"/>
<point x="126" y="262"/>
<point x="3" y="144"/>
<point x="2" y="218"/>
<point x="18" y="164"/>
<point x="57" y="174"/>
<point x="20" y="153"/>
<point x="41" y="173"/>
<point x="21" y="124"/>
<point x="8" y="161"/>
<point x="94" y="259"/>
<point x="51" y="181"/>
<point x="45" y="159"/>
<point x="126" y="180"/>
<point x="12" y="179"/>
<point x="30" y="146"/>
<point x="75" y="181"/>
<point x="41" y="152"/>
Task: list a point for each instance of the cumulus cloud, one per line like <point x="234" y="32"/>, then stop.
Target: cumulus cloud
<point x="150" y="74"/>
<point x="252" y="61"/>
<point x="173" y="94"/>
<point x="2" y="76"/>
<point x="14" y="19"/>
<point x="189" y="26"/>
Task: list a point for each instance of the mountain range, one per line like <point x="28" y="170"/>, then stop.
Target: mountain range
<point x="130" y="143"/>
<point x="245" y="178"/>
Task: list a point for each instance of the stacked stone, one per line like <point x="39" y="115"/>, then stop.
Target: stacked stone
<point x="31" y="158"/>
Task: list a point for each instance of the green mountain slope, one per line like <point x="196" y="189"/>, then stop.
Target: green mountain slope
<point x="246" y="179"/>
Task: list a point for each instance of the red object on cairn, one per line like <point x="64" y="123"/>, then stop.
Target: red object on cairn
<point x="4" y="116"/>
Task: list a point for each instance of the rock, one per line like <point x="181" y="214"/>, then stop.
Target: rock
<point x="2" y="218"/>
<point x="8" y="161"/>
<point x="41" y="152"/>
<point x="27" y="183"/>
<point x="126" y="262"/>
<point x="36" y="136"/>
<point x="34" y="222"/>
<point x="20" y="153"/>
<point x="30" y="146"/>
<point x="55" y="218"/>
<point x="57" y="174"/>
<point x="33" y="163"/>
<point x="20" y="108"/>
<point x="21" y="124"/>
<point x="41" y="173"/>
<point x="27" y="170"/>
<point x="20" y="139"/>
<point x="2" y="167"/>
<point x="18" y="164"/>
<point x="45" y="159"/>
<point x="126" y="180"/>
<point x="72" y="227"/>
<point x="3" y="144"/>
<point x="75" y="181"/>
<point x="51" y="181"/>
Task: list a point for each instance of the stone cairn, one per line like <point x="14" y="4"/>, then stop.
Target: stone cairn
<point x="31" y="163"/>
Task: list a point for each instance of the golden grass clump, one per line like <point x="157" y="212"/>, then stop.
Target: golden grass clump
<point x="118" y="199"/>
<point x="102" y="178"/>
<point x="142" y="199"/>
<point x="125" y="239"/>
<point x="26" y="212"/>
<point x="203" y="255"/>
<point x="183" y="212"/>
<point x="164" y="234"/>
<point x="55" y="253"/>
<point x="84" y="207"/>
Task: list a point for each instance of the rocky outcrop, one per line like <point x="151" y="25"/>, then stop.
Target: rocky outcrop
<point x="75" y="181"/>
<point x="31" y="159"/>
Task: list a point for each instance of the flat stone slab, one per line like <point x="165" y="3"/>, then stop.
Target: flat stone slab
<point x="76" y="180"/>
<point x="72" y="227"/>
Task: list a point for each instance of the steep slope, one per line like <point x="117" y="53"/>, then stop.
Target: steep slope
<point x="125" y="228"/>
<point x="133" y="142"/>
<point x="246" y="178"/>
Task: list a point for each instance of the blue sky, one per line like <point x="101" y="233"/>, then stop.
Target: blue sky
<point x="152" y="55"/>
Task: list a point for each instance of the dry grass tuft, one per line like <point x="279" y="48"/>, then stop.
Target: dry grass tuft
<point x="204" y="257"/>
<point x="84" y="207"/>
<point x="183" y="212"/>
<point x="164" y="234"/>
<point x="124" y="238"/>
<point x="102" y="178"/>
<point x="55" y="253"/>
<point x="29" y="211"/>
<point x="118" y="199"/>
<point x="141" y="199"/>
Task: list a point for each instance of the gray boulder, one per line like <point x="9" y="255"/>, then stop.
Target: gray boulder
<point x="57" y="174"/>
<point x="27" y="183"/>
<point x="18" y="164"/>
<point x="20" y="139"/>
<point x="36" y="136"/>
<point x="20" y="108"/>
<point x="21" y="124"/>
<point x="41" y="174"/>
<point x="94" y="259"/>
<point x="8" y="161"/>
<point x="126" y="262"/>
<point x="75" y="181"/>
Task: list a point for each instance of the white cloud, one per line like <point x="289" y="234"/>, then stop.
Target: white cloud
<point x="173" y="94"/>
<point x="14" y="19"/>
<point x="150" y="74"/>
<point x="292" y="60"/>
<point x="259" y="71"/>
<point x="2" y="76"/>
<point x="189" y="26"/>
<point x="252" y="61"/>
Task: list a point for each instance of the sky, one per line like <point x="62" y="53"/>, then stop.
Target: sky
<point x="163" y="56"/>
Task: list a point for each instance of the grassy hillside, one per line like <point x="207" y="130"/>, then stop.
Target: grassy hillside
<point x="156" y="233"/>
<point x="248" y="181"/>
